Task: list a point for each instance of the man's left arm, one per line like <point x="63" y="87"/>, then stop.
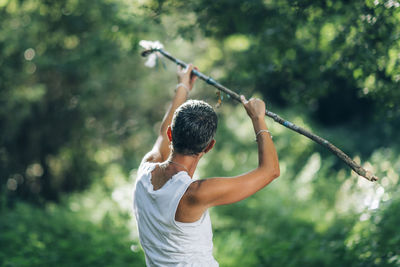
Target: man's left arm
<point x="161" y="149"/>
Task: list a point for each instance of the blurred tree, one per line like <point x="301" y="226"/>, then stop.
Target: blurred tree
<point x="77" y="107"/>
<point x="61" y="91"/>
<point x="339" y="58"/>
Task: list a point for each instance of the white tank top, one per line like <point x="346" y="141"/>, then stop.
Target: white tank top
<point x="165" y="241"/>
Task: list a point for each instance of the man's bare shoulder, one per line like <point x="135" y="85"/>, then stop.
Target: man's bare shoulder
<point x="193" y="194"/>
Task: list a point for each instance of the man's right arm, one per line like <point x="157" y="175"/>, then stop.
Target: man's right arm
<point x="206" y="193"/>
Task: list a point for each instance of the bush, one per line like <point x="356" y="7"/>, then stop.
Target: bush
<point x="55" y="236"/>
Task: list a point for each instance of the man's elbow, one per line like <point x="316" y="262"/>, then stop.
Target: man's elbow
<point x="271" y="173"/>
<point x="276" y="173"/>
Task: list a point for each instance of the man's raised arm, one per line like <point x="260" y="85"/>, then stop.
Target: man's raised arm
<point x="161" y="149"/>
<point x="203" y="194"/>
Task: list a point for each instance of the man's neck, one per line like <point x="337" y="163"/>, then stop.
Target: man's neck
<point x="188" y="161"/>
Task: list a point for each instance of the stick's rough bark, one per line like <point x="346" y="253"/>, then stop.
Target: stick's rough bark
<point x="339" y="153"/>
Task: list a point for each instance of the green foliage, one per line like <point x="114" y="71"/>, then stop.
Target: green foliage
<point x="78" y="111"/>
<point x="315" y="214"/>
<point x="60" y="59"/>
<point x="337" y="59"/>
<point x="57" y="237"/>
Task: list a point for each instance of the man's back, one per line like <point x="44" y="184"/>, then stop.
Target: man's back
<point x="167" y="242"/>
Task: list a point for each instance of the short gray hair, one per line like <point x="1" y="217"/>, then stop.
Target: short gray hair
<point x="193" y="127"/>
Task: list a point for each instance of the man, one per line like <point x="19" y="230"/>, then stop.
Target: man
<point x="172" y="209"/>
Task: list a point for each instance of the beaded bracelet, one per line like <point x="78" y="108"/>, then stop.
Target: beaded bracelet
<point x="261" y="131"/>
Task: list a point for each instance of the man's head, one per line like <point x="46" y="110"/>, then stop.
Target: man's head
<point x="193" y="127"/>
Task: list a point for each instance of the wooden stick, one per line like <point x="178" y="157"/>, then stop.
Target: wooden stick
<point x="339" y="153"/>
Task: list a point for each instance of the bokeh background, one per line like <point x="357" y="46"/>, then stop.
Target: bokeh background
<point x="78" y="110"/>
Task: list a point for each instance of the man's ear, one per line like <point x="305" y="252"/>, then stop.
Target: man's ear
<point x="209" y="146"/>
<point x="169" y="133"/>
